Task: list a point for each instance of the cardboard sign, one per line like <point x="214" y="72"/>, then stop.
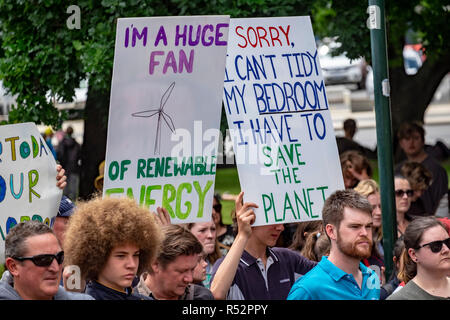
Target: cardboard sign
<point x="164" y="115"/>
<point x="27" y="179"/>
<point x="277" y="111"/>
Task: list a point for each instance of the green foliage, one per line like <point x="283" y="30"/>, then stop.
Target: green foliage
<point x="39" y="54"/>
<point x="426" y="19"/>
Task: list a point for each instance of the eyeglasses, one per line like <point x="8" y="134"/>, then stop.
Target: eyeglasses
<point x="436" y="246"/>
<point x="400" y="193"/>
<point x="44" y="260"/>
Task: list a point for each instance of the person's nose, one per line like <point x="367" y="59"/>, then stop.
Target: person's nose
<point x="54" y="266"/>
<point x="189" y="276"/>
<point x="131" y="262"/>
<point x="377" y="210"/>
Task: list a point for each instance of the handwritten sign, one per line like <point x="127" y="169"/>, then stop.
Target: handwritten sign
<point x="278" y="114"/>
<point x="27" y="179"/>
<point x="164" y="118"/>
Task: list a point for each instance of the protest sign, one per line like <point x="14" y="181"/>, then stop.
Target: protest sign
<point x="164" y="116"/>
<point x="279" y="119"/>
<point x="27" y="179"/>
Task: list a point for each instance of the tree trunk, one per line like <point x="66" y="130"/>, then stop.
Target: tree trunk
<point x="95" y="134"/>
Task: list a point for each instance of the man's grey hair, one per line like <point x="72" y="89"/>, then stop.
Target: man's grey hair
<point x="15" y="240"/>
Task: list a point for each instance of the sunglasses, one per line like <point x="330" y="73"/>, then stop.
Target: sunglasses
<point x="400" y="193"/>
<point x="44" y="260"/>
<point x="436" y="246"/>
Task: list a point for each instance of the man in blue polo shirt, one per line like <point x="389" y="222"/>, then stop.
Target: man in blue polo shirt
<point x="341" y="276"/>
<point x="252" y="270"/>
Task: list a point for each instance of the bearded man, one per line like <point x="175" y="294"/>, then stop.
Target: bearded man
<point x="347" y="219"/>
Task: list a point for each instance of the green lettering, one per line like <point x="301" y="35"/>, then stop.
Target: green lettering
<point x="140" y="168"/>
<point x="310" y="203"/>
<point x="130" y="193"/>
<point x="113" y="171"/>
<point x="167" y="167"/>
<point x="323" y="193"/>
<point x="159" y="167"/>
<point x="123" y="167"/>
<point x="32" y="182"/>
<point x="268" y="149"/>
<point x="149" y="167"/>
<point x="183" y="215"/>
<point x="167" y="199"/>
<point x="199" y="167"/>
<point x="142" y="195"/>
<point x="267" y="208"/>
<point x="148" y="200"/>
<point x="178" y="169"/>
<point x="201" y="195"/>
<point x="303" y="204"/>
<point x="35" y="147"/>
<point x="290" y="152"/>
<point x="111" y="191"/>
<point x="289" y="206"/>
<point x="37" y="217"/>
<point x="297" y="145"/>
<point x="280" y="156"/>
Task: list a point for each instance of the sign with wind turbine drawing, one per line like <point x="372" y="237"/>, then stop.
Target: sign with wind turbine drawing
<point x="164" y="117"/>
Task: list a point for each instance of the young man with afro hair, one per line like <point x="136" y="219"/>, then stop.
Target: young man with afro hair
<point x="112" y="240"/>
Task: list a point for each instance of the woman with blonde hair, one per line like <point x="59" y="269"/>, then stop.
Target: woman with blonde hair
<point x="369" y="188"/>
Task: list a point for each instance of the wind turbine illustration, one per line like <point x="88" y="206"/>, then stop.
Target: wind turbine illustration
<point x="162" y="115"/>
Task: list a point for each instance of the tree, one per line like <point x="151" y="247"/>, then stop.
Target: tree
<point x="40" y="54"/>
<point x="425" y="21"/>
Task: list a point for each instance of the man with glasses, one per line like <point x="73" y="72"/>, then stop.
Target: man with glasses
<point x="34" y="261"/>
<point x="411" y="138"/>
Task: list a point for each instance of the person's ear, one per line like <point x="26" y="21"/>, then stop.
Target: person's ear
<point x="156" y="267"/>
<point x="412" y="254"/>
<point x="331" y="231"/>
<point x="12" y="266"/>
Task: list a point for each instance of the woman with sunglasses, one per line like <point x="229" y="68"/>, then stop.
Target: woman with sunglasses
<point x="403" y="196"/>
<point x="426" y="261"/>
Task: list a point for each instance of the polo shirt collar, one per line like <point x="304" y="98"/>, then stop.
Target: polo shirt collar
<point x="248" y="259"/>
<point x="336" y="273"/>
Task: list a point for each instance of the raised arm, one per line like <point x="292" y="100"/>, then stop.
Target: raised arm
<point x="227" y="270"/>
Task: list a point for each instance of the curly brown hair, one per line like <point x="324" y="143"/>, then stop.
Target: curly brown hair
<point x="99" y="225"/>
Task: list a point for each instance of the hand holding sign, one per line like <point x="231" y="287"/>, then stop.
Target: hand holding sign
<point x="245" y="215"/>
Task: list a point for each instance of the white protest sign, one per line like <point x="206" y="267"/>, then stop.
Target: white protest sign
<point x="164" y="116"/>
<point x="27" y="179"/>
<point x="277" y="111"/>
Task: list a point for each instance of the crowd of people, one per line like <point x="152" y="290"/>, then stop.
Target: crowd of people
<point x="113" y="249"/>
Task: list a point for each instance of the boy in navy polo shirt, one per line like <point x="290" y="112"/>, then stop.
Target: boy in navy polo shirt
<point x="252" y="270"/>
<point x="347" y="219"/>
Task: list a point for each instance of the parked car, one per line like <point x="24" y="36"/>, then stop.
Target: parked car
<point x="340" y="69"/>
